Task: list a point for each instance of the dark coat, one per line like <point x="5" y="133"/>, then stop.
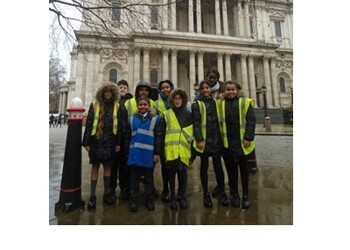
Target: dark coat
<point x="233" y="127"/>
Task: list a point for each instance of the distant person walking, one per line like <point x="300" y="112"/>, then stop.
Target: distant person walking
<point x="52" y="119"/>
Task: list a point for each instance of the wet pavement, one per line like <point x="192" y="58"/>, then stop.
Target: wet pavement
<point x="271" y="192"/>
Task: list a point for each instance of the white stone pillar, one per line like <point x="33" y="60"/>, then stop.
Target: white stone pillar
<point x="64" y="106"/>
<point x="224" y="17"/>
<point x="246" y="15"/>
<point x="174" y="67"/>
<point x="190" y="16"/>
<point x="238" y="70"/>
<point x="275" y="92"/>
<point x="251" y="72"/>
<point x="173" y="15"/>
<point x="130" y="69"/>
<point x="192" y="73"/>
<point x="199" y="16"/>
<point x="200" y="65"/>
<point x="244" y="72"/>
<point x="228" y="75"/>
<point x="146" y="75"/>
<point x="217" y="17"/>
<point x="165" y="14"/>
<point x="240" y="19"/>
<point x="235" y="20"/>
<point x="267" y="82"/>
<point x="60" y="103"/>
<point x="165" y="63"/>
<point x="221" y="66"/>
<point x="137" y="77"/>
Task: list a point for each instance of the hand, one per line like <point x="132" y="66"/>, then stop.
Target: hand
<point x="117" y="148"/>
<point x="87" y="148"/>
<point x="156" y="158"/>
<point x="246" y="143"/>
<point x="201" y="145"/>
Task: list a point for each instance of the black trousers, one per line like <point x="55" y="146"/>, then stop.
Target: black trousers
<point x="232" y="165"/>
<point x="219" y="173"/>
<point x="135" y="177"/>
<point x="182" y="179"/>
<point x="119" y="171"/>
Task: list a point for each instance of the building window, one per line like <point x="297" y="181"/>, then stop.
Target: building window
<point x="278" y="29"/>
<point x="116" y="12"/>
<point x="154" y="76"/>
<point x="154" y="17"/>
<point x="282" y="85"/>
<point x="113" y="75"/>
<point x="251" y="26"/>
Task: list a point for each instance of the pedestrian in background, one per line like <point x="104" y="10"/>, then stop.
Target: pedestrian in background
<point x="208" y="142"/>
<point x="177" y="131"/>
<point x="217" y="86"/>
<point x="100" y="137"/>
<point x="119" y="170"/>
<point x="161" y="105"/>
<point x="237" y="130"/>
<point x="143" y="138"/>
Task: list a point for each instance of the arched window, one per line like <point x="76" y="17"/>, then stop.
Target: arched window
<point x="113" y="75"/>
<point x="154" y="76"/>
<point x="282" y="85"/>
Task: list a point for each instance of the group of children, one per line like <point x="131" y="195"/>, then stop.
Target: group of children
<point x="131" y="135"/>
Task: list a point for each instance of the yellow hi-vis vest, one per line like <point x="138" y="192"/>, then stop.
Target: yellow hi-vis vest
<point x="203" y="111"/>
<point x="96" y="115"/>
<point x="160" y="106"/>
<point x="243" y="105"/>
<point x="131" y="106"/>
<point x="177" y="141"/>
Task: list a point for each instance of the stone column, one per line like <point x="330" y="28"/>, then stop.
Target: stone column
<point x="267" y="81"/>
<point x="165" y="14"/>
<point x="60" y="103"/>
<point x="221" y="66"/>
<point x="228" y="66"/>
<point x="240" y="19"/>
<point x="251" y="77"/>
<point x="137" y="77"/>
<point x="199" y="16"/>
<point x="217" y="17"/>
<point x="165" y="63"/>
<point x="200" y="65"/>
<point x="174" y="66"/>
<point x="238" y="70"/>
<point x="275" y="92"/>
<point x="190" y="16"/>
<point x="173" y="15"/>
<point x="130" y="69"/>
<point x="244" y="74"/>
<point x="192" y="73"/>
<point x="246" y="14"/>
<point x="64" y="106"/>
<point x="146" y="75"/>
<point x="224" y="17"/>
<point x="235" y="20"/>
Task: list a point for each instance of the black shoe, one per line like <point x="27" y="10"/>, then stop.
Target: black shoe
<point x="133" y="206"/>
<point x="223" y="199"/>
<point x="165" y="196"/>
<point x="107" y="199"/>
<point x="245" y="202"/>
<point x="235" y="200"/>
<point x="178" y="197"/>
<point x="207" y="200"/>
<point x="92" y="202"/>
<point x="155" y="193"/>
<point x="216" y="193"/>
<point x="183" y="203"/>
<point x="150" y="205"/>
<point x="173" y="204"/>
<point x="125" y="195"/>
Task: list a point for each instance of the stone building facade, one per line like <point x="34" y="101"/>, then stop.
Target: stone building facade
<point x="248" y="41"/>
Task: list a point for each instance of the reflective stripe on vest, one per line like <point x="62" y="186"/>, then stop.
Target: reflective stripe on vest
<point x="96" y="115"/>
<point x="177" y="140"/>
<point x="243" y="105"/>
<point x="203" y="112"/>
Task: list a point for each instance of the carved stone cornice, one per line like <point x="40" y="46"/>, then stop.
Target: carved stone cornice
<point x="284" y="64"/>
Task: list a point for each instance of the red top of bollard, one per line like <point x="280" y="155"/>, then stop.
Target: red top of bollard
<point x="76" y="110"/>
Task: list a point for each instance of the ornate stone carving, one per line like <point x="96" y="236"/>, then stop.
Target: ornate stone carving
<point x="282" y="64"/>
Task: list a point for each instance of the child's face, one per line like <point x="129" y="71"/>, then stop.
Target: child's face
<point x="107" y="94"/>
<point x="231" y="91"/>
<point x="143" y="91"/>
<point x="143" y="106"/>
<point x="165" y="89"/>
<point x="122" y="89"/>
<point x="205" y="90"/>
<point x="212" y="79"/>
<point x="177" y="101"/>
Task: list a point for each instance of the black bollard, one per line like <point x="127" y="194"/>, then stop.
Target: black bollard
<point x="70" y="193"/>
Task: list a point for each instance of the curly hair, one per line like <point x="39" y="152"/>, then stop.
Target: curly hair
<point x="183" y="95"/>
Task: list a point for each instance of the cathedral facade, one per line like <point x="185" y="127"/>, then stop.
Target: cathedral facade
<point x="248" y="41"/>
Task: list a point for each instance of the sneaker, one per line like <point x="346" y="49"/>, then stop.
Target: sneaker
<point x="183" y="203"/>
<point x="223" y="199"/>
<point x="165" y="196"/>
<point x="107" y="199"/>
<point x="235" y="200"/>
<point x="92" y="202"/>
<point x="207" y="200"/>
<point x="150" y="205"/>
<point x="245" y="202"/>
<point x="173" y="204"/>
<point x="133" y="206"/>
